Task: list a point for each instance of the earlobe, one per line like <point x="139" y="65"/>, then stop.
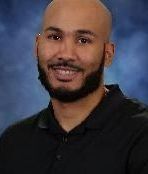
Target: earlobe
<point x="109" y="53"/>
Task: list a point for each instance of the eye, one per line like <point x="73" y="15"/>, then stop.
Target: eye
<point x="54" y="37"/>
<point x="84" y="40"/>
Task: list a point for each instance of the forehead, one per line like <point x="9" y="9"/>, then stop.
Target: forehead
<point x="74" y="16"/>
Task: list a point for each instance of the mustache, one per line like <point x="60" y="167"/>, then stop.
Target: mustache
<point x="64" y="63"/>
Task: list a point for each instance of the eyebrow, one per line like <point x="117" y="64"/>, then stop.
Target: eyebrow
<point x="86" y="32"/>
<point x="80" y="31"/>
<point x="54" y="29"/>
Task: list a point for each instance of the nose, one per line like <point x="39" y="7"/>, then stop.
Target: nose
<point x="67" y="50"/>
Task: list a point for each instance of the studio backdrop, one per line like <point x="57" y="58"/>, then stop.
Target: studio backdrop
<point x="22" y="95"/>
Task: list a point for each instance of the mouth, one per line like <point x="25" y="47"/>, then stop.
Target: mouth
<point x="64" y="73"/>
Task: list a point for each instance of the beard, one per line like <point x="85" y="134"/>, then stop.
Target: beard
<point x="90" y="84"/>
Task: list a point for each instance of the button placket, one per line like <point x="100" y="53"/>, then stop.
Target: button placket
<point x="65" y="139"/>
<point x="59" y="154"/>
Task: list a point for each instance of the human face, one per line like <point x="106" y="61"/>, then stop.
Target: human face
<point x="69" y="49"/>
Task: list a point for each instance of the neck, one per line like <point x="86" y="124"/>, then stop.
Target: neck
<point x="70" y="115"/>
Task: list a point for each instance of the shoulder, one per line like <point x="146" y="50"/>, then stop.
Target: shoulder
<point x="22" y="128"/>
<point x="126" y="110"/>
<point x="135" y="116"/>
<point x="137" y="123"/>
<point x="135" y="110"/>
<point x="130" y="121"/>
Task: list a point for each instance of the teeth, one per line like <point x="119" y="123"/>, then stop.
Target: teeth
<point x="65" y="72"/>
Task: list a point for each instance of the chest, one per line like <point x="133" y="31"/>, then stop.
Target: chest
<point x="92" y="153"/>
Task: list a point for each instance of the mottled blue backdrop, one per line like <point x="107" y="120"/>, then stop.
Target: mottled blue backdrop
<point x="21" y="94"/>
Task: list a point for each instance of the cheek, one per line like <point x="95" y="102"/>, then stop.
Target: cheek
<point x="46" y="51"/>
<point x="92" y="58"/>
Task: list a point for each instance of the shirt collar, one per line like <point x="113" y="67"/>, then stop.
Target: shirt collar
<point x="106" y="109"/>
<point x="97" y="118"/>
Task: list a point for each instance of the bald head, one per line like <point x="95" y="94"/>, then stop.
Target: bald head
<point x="84" y="13"/>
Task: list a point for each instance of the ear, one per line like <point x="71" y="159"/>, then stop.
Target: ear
<point x="109" y="50"/>
<point x="36" y="45"/>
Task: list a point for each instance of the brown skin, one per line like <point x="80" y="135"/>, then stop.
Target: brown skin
<point x="84" y="50"/>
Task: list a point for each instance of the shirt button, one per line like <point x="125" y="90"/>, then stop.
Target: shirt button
<point x="58" y="157"/>
<point x="65" y="139"/>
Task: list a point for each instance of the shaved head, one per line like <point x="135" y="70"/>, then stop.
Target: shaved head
<point x="92" y="10"/>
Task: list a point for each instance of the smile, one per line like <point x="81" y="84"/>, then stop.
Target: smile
<point x="65" y="74"/>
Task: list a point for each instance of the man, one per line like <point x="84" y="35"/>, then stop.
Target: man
<point x="88" y="128"/>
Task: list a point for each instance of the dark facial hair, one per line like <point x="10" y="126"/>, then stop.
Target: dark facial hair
<point x="91" y="84"/>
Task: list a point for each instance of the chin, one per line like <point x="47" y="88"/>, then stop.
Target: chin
<point x="70" y="86"/>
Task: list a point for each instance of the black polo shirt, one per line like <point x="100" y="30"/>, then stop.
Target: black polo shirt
<point x="112" y="140"/>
